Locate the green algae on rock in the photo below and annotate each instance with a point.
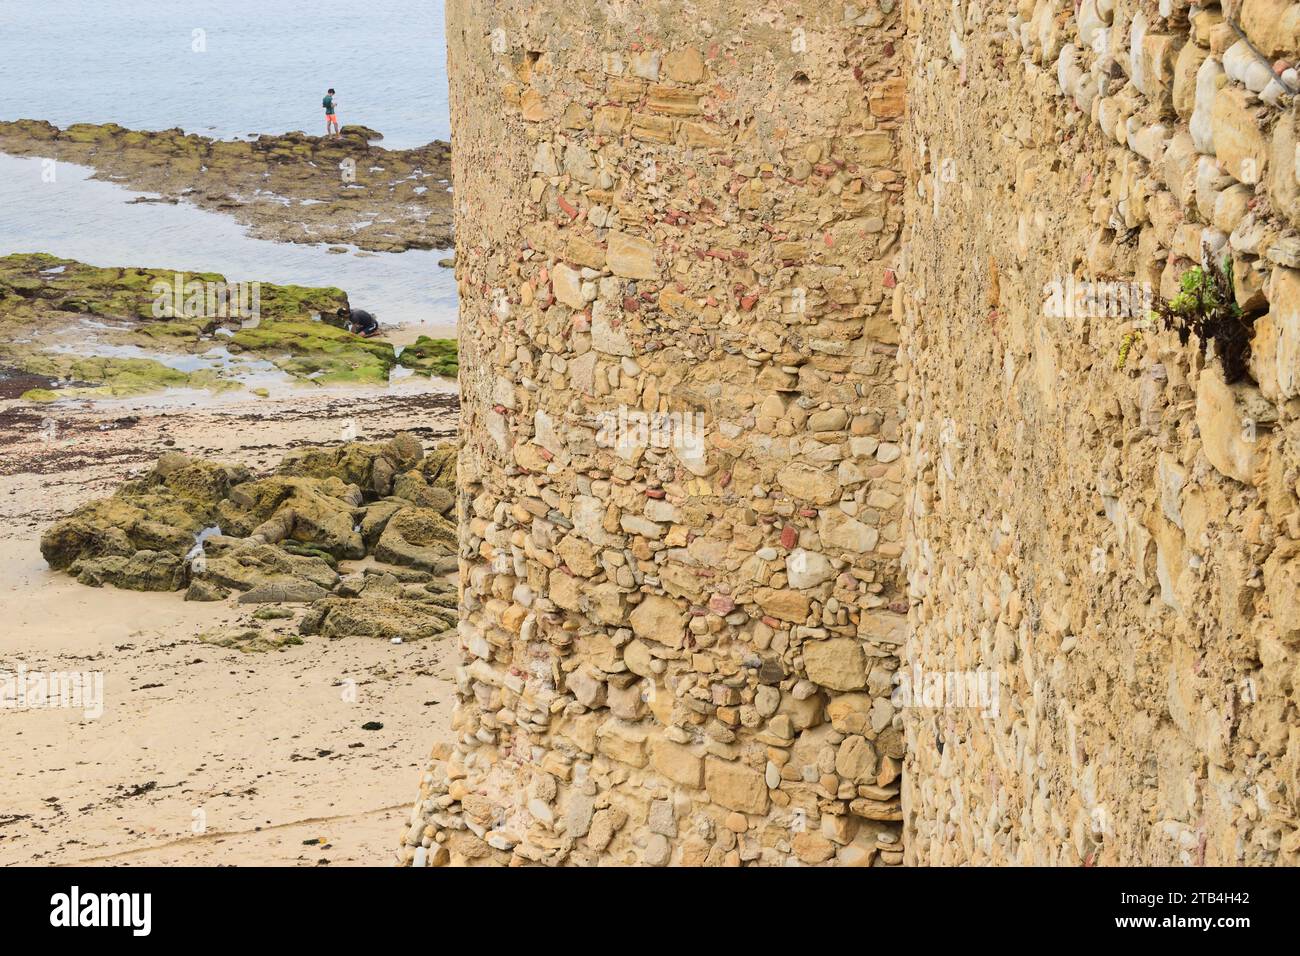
(432, 357)
(70, 286)
(319, 352)
(163, 301)
(290, 187)
(163, 313)
(117, 377)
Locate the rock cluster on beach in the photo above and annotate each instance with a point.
(679, 651)
(218, 531)
(290, 187)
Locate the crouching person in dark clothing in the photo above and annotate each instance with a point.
(359, 321)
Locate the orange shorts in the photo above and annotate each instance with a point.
(331, 118)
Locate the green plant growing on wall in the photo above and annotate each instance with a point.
(1206, 306)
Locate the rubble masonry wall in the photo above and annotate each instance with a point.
(941, 449)
(679, 633)
(1097, 516)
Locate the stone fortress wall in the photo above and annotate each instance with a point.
(776, 445)
(1096, 515)
(682, 475)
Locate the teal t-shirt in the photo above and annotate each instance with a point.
(328, 103)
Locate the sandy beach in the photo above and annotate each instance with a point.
(203, 754)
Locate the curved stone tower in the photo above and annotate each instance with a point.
(681, 475)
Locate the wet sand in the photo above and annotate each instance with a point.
(203, 755)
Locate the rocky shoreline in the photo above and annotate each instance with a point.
(79, 331)
(136, 424)
(289, 187)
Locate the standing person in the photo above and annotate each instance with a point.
(331, 114)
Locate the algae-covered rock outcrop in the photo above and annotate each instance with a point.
(163, 302)
(290, 187)
(319, 352)
(284, 538)
(115, 332)
(432, 357)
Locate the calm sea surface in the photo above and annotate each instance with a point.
(263, 67)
